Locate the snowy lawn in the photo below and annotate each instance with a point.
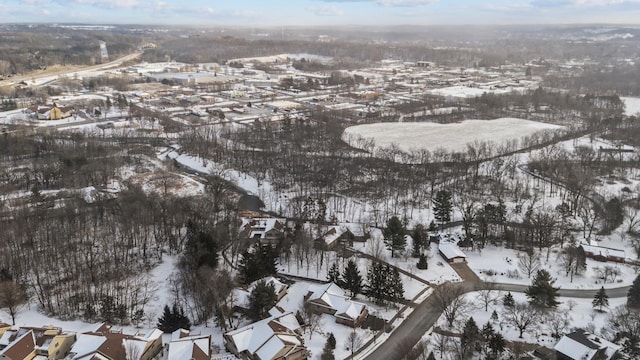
(495, 264)
(450, 137)
(580, 314)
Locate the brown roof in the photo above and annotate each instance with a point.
(21, 348)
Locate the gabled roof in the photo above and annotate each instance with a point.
(332, 296)
(254, 337)
(581, 345)
(450, 251)
(21, 347)
(190, 347)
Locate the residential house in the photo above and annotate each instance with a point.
(331, 299)
(103, 343)
(22, 348)
(600, 253)
(451, 253)
(186, 346)
(52, 112)
(274, 338)
(581, 345)
(50, 342)
(264, 230)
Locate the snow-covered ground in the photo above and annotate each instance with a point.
(632, 105)
(580, 314)
(450, 137)
(497, 264)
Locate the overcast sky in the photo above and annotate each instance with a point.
(321, 12)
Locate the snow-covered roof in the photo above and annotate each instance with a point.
(450, 251)
(581, 345)
(86, 344)
(183, 348)
(334, 297)
(252, 337)
(603, 251)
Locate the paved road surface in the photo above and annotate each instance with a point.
(426, 314)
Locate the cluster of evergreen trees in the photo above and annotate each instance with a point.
(383, 282)
(487, 341)
(258, 262)
(173, 319)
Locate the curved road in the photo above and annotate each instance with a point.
(425, 315)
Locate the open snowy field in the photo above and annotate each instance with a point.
(449, 137)
(632, 105)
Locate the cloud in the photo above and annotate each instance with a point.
(405, 3)
(109, 4)
(582, 3)
(329, 10)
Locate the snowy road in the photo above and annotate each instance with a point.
(425, 315)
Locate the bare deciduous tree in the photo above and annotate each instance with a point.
(448, 299)
(529, 262)
(522, 316)
(12, 298)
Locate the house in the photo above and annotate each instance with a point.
(274, 338)
(330, 299)
(451, 253)
(334, 236)
(264, 230)
(603, 253)
(50, 342)
(52, 112)
(581, 345)
(103, 343)
(22, 348)
(185, 346)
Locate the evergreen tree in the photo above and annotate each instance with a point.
(394, 285)
(423, 263)
(633, 296)
(262, 298)
(351, 278)
(419, 235)
(497, 344)
(258, 262)
(333, 275)
(201, 249)
(329, 346)
(394, 235)
(442, 206)
(508, 300)
(601, 299)
(173, 319)
(470, 339)
(376, 282)
(542, 292)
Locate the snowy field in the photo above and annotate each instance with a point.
(495, 264)
(449, 137)
(632, 105)
(580, 312)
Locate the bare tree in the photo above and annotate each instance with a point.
(522, 316)
(448, 299)
(311, 318)
(353, 342)
(12, 298)
(557, 323)
(376, 248)
(487, 294)
(529, 262)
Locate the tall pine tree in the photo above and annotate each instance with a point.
(542, 292)
(351, 278)
(601, 299)
(633, 296)
(394, 235)
(261, 300)
(442, 206)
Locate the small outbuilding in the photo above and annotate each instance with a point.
(451, 253)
